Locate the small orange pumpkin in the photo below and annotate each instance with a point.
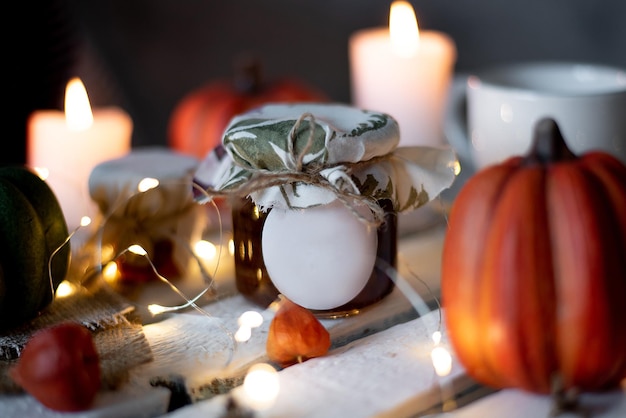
(198, 121)
(534, 270)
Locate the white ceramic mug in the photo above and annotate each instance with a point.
(492, 115)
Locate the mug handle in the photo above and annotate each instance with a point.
(455, 118)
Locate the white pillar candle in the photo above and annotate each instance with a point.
(65, 146)
(406, 76)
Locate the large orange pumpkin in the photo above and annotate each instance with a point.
(534, 270)
(198, 121)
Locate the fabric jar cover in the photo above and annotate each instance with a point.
(166, 212)
(307, 154)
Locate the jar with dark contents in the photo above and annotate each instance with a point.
(315, 189)
(255, 284)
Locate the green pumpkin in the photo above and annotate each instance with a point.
(32, 228)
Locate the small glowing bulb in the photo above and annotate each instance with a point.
(205, 249)
(261, 386)
(85, 220)
(78, 115)
(243, 334)
(247, 321)
(109, 272)
(442, 361)
(155, 309)
(231, 247)
(137, 249)
(147, 184)
(436, 337)
(65, 289)
(250, 319)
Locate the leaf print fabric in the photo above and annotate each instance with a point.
(306, 154)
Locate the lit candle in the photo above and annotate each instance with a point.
(405, 73)
(65, 146)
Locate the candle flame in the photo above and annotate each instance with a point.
(78, 115)
(403, 29)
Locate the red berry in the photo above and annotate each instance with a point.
(60, 367)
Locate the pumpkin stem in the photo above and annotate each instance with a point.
(247, 75)
(548, 144)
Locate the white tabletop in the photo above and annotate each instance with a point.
(380, 364)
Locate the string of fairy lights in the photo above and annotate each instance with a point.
(260, 387)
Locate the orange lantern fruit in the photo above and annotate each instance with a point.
(295, 335)
(60, 367)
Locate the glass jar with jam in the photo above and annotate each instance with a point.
(254, 282)
(315, 189)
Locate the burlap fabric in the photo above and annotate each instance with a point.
(118, 335)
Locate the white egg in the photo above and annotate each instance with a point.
(319, 257)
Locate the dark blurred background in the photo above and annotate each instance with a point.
(145, 55)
